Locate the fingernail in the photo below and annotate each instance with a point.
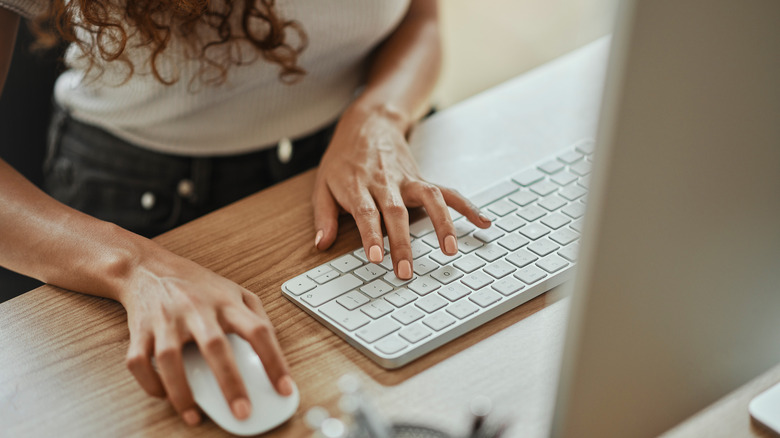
(191, 417)
(375, 254)
(450, 245)
(404, 269)
(483, 218)
(285, 385)
(317, 238)
(241, 408)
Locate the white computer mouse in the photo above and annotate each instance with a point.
(269, 409)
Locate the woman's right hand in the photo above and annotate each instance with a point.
(171, 301)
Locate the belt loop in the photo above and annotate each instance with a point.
(57, 124)
(201, 179)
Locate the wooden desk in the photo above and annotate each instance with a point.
(62, 354)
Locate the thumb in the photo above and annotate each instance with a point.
(326, 217)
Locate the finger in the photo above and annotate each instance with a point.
(261, 335)
(396, 218)
(326, 217)
(431, 198)
(465, 207)
(362, 207)
(167, 352)
(140, 364)
(216, 350)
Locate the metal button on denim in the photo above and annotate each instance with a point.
(186, 188)
(148, 200)
(284, 150)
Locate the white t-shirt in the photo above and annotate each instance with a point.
(253, 109)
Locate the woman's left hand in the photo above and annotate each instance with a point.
(369, 172)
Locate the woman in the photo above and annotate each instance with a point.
(170, 109)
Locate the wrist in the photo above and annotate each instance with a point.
(366, 107)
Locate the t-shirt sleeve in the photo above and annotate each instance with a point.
(25, 8)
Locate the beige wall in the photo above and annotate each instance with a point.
(489, 41)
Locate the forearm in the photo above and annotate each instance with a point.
(406, 67)
(47, 240)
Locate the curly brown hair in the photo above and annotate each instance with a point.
(104, 30)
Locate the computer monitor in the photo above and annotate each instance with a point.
(676, 300)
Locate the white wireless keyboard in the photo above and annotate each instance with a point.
(530, 248)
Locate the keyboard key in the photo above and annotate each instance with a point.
(376, 288)
(391, 344)
(493, 194)
(349, 319)
(431, 240)
(454, 291)
(401, 297)
(326, 277)
(552, 202)
(552, 166)
(552, 263)
(530, 274)
(319, 270)
(386, 242)
(543, 246)
(377, 308)
(462, 309)
(534, 231)
(352, 300)
(369, 272)
(570, 157)
(564, 236)
(575, 210)
(555, 220)
(421, 227)
(331, 290)
(572, 192)
(467, 244)
(300, 285)
(477, 279)
(424, 265)
(447, 274)
(431, 303)
(523, 198)
(424, 285)
(469, 263)
(491, 252)
(485, 297)
(441, 258)
(510, 223)
(420, 248)
(407, 315)
(581, 168)
(377, 330)
(387, 263)
(513, 241)
(584, 181)
(463, 227)
(577, 225)
(360, 254)
(346, 263)
(502, 207)
(531, 213)
(499, 269)
(391, 278)
(415, 333)
(570, 252)
(507, 286)
(521, 258)
(564, 178)
(439, 321)
(585, 147)
(528, 177)
(489, 234)
(544, 188)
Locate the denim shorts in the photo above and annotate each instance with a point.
(148, 192)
